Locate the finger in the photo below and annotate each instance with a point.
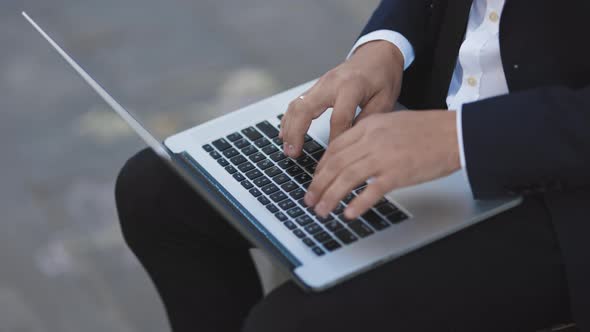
(343, 142)
(343, 184)
(286, 115)
(301, 113)
(367, 199)
(347, 100)
(334, 165)
(376, 105)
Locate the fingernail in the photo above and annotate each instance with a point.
(291, 149)
(310, 198)
(350, 213)
(321, 209)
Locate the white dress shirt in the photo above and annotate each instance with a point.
(479, 73)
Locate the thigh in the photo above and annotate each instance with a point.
(154, 203)
(504, 274)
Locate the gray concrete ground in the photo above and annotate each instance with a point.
(176, 63)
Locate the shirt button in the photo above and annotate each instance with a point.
(494, 17)
(472, 81)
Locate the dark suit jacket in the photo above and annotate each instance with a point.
(536, 139)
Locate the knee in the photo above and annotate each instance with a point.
(136, 191)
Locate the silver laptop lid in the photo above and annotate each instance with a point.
(127, 117)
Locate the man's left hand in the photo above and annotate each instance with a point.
(393, 150)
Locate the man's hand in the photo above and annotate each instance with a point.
(394, 150)
(371, 79)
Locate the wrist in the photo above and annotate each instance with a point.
(383, 51)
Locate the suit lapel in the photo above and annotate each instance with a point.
(446, 51)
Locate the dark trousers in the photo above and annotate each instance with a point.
(504, 274)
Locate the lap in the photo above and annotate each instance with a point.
(503, 274)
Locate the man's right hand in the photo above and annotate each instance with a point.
(371, 78)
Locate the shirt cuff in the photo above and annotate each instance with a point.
(393, 37)
(459, 116)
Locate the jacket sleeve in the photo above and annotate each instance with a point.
(528, 142)
(407, 17)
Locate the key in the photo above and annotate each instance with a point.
(253, 174)
(280, 116)
(374, 220)
(222, 162)
(307, 138)
(295, 212)
(272, 208)
(286, 163)
(238, 160)
(221, 144)
(304, 220)
(339, 209)
(271, 188)
(269, 149)
(263, 200)
(344, 219)
(246, 184)
(230, 153)
(331, 245)
(286, 204)
(234, 137)
(249, 150)
(305, 161)
(302, 203)
(299, 233)
(322, 237)
(397, 217)
(294, 170)
(251, 133)
(360, 228)
(302, 178)
(245, 167)
(267, 129)
(348, 198)
(239, 177)
(257, 157)
(326, 219)
(278, 141)
(306, 185)
(215, 155)
(290, 225)
(230, 169)
(318, 155)
(264, 164)
(309, 242)
(242, 144)
(386, 209)
(261, 181)
(207, 148)
(281, 216)
(345, 236)
(333, 226)
(313, 228)
(273, 171)
(311, 147)
(280, 179)
(289, 186)
(311, 168)
(261, 142)
(297, 193)
(255, 192)
(277, 156)
(278, 196)
(318, 251)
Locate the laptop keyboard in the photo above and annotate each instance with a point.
(255, 159)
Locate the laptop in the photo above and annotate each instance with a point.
(235, 162)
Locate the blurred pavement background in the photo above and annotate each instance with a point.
(64, 266)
